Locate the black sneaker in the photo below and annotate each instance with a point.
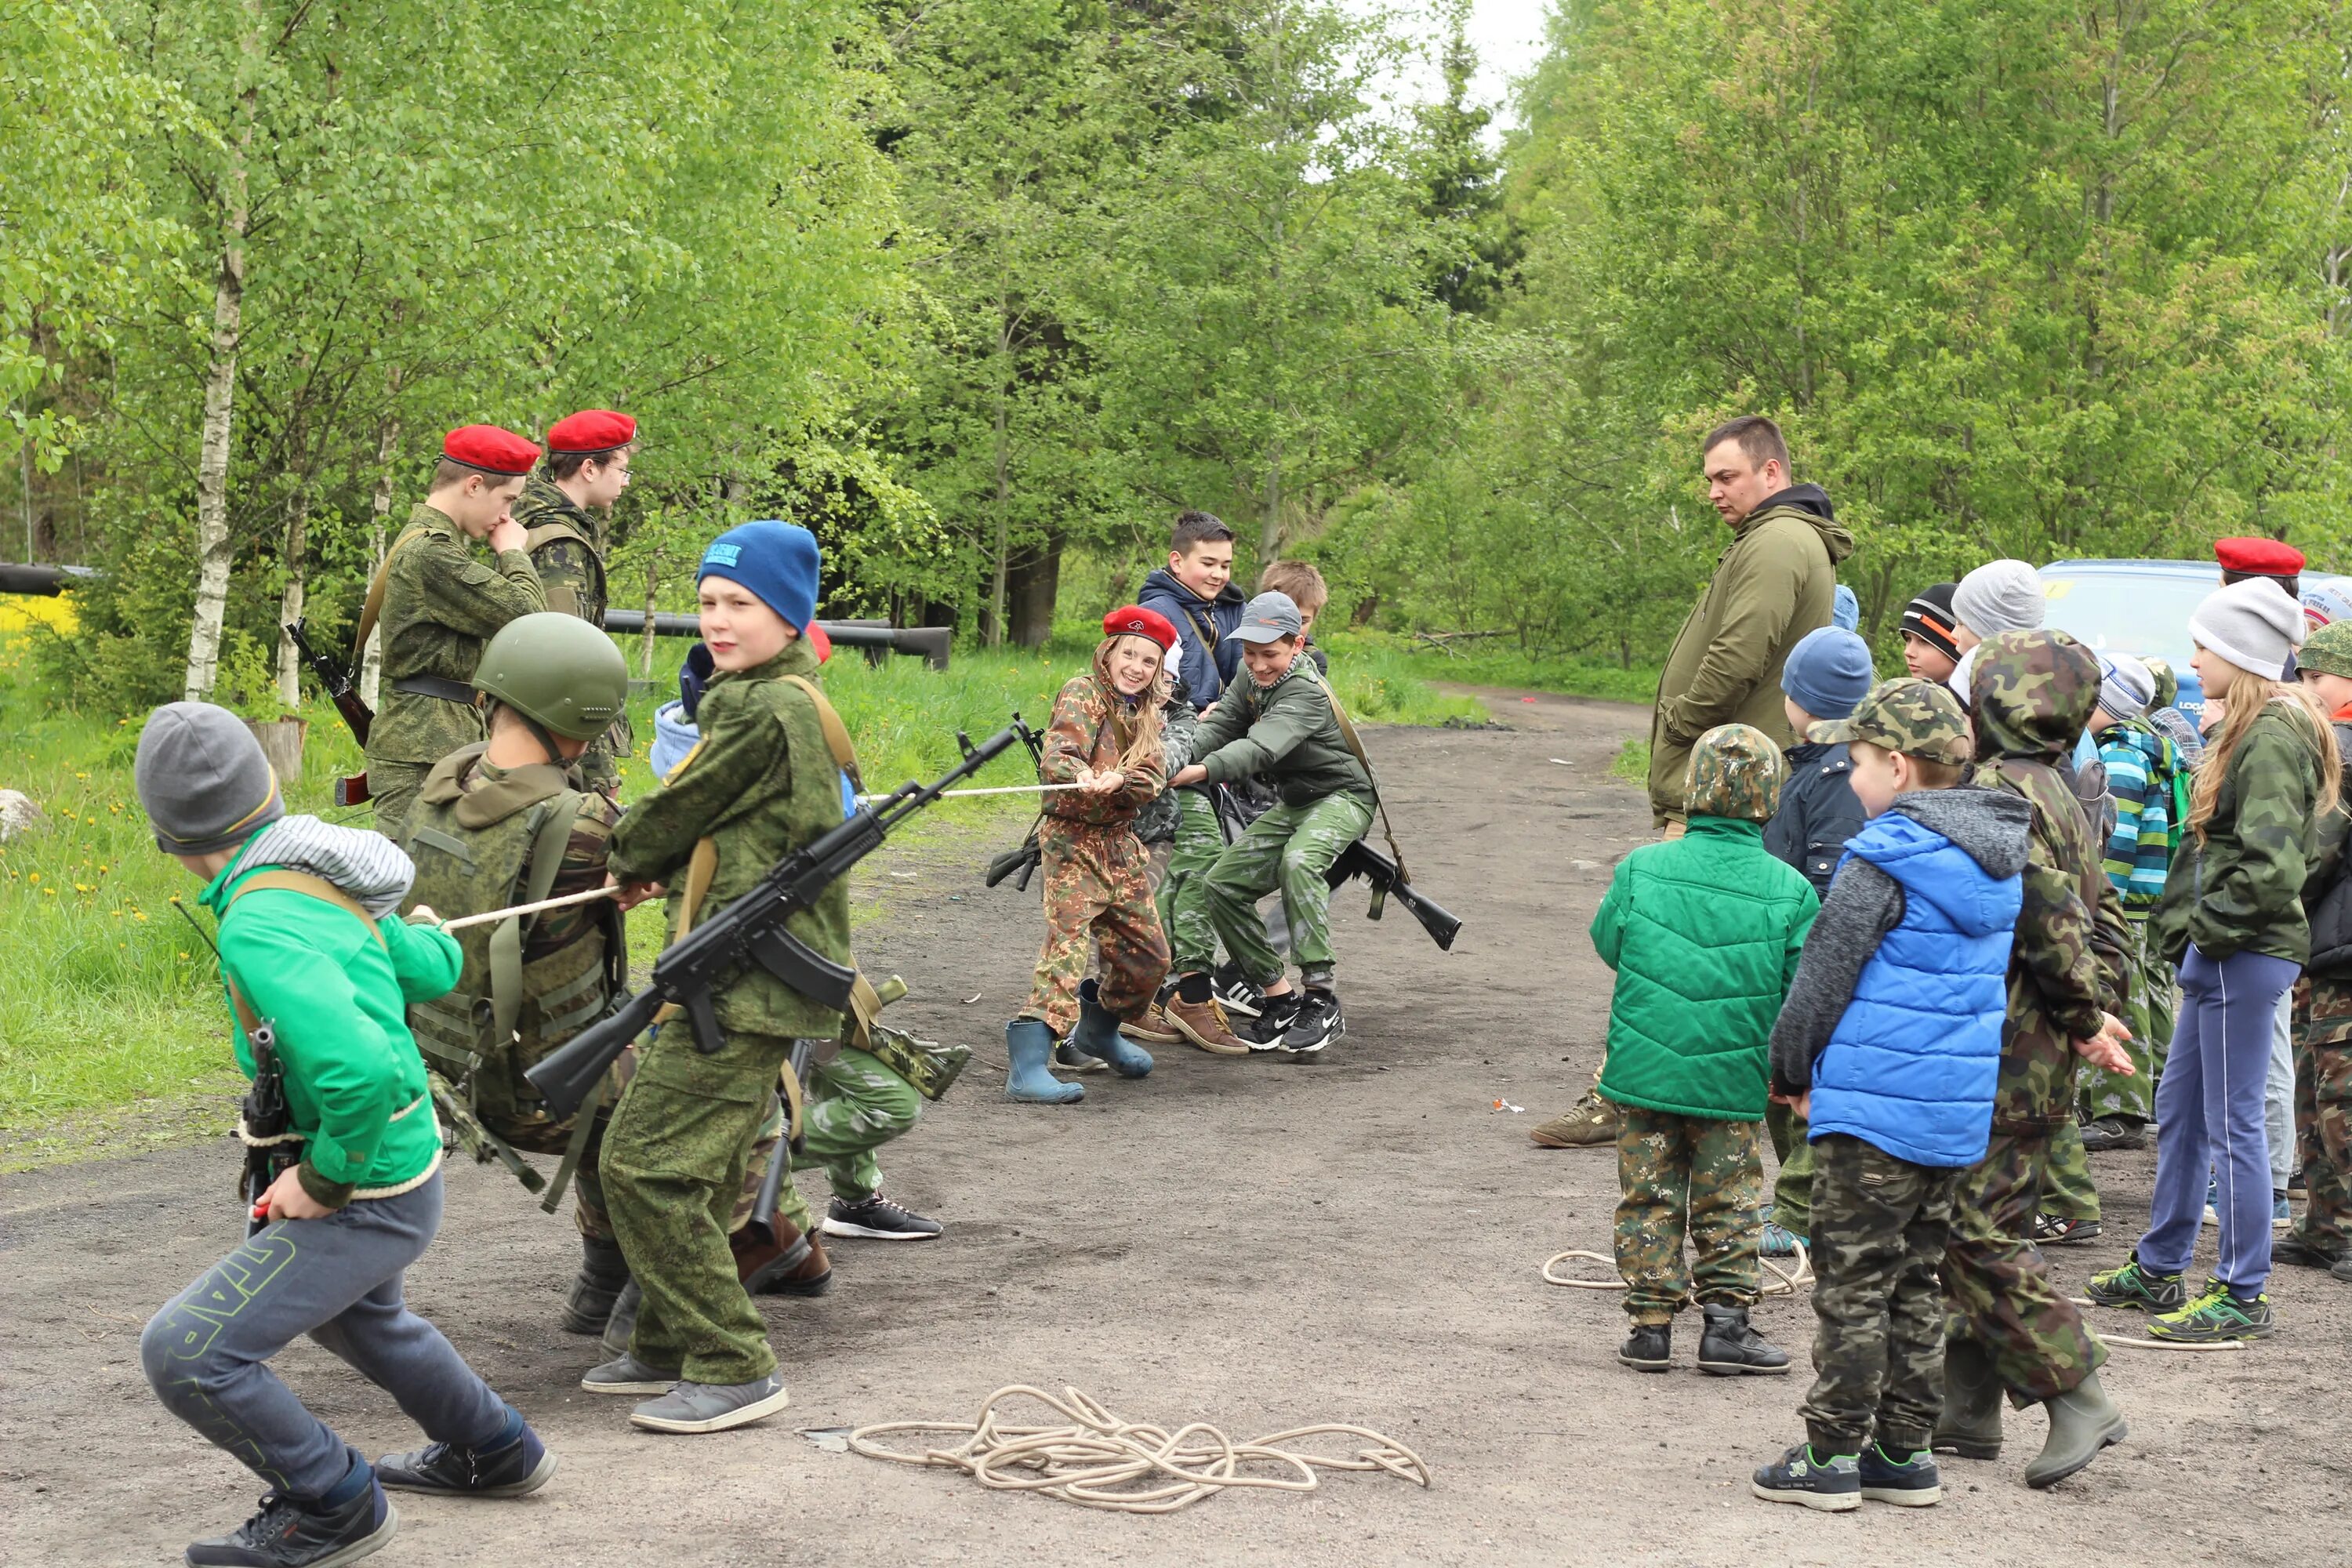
(2108, 1134)
(2133, 1286)
(290, 1533)
(2061, 1230)
(1319, 1023)
(1649, 1348)
(878, 1219)
(1830, 1482)
(522, 1466)
(1275, 1017)
(1910, 1481)
(1237, 991)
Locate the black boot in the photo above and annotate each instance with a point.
(623, 1323)
(1649, 1348)
(1730, 1346)
(603, 1273)
(290, 1533)
(1970, 1425)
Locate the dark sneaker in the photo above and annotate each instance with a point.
(2061, 1230)
(1908, 1482)
(1649, 1348)
(624, 1373)
(2215, 1316)
(621, 1326)
(878, 1219)
(1237, 992)
(1069, 1059)
(289, 1534)
(2109, 1134)
(1317, 1024)
(712, 1406)
(522, 1466)
(1589, 1120)
(2343, 1270)
(1830, 1482)
(1275, 1017)
(1205, 1024)
(2132, 1286)
(2295, 1248)
(1731, 1346)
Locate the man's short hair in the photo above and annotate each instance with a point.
(446, 473)
(1197, 528)
(564, 465)
(1301, 581)
(1758, 438)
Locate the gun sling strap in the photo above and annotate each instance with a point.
(372, 610)
(1355, 745)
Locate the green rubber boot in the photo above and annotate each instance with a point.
(2082, 1420)
(1970, 1425)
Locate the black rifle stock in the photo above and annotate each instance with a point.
(751, 931)
(1020, 864)
(337, 681)
(1360, 859)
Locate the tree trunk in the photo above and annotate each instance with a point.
(213, 551)
(996, 588)
(290, 599)
(1034, 582)
(387, 442)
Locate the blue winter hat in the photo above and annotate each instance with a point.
(1828, 672)
(1845, 610)
(777, 560)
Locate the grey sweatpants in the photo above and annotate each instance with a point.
(339, 1280)
(2278, 1094)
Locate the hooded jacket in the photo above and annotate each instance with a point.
(1894, 1021)
(1210, 662)
(1775, 582)
(2033, 694)
(1091, 728)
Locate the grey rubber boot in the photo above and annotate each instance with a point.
(711, 1407)
(1970, 1425)
(1097, 1034)
(2082, 1420)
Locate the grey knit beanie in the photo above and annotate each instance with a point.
(204, 780)
(2125, 688)
(2252, 624)
(2000, 596)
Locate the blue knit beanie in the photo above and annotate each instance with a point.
(1828, 672)
(777, 560)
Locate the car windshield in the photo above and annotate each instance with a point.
(2129, 613)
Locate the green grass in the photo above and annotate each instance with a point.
(1496, 662)
(1632, 763)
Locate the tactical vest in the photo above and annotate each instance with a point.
(486, 848)
(587, 603)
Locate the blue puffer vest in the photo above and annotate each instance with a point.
(1912, 1064)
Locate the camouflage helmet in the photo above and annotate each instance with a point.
(558, 671)
(1918, 718)
(2328, 650)
(1734, 771)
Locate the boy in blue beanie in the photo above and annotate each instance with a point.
(1890, 1046)
(1827, 673)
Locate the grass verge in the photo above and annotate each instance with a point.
(1492, 663)
(1632, 763)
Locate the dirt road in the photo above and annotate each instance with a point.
(1251, 1243)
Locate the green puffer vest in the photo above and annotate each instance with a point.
(484, 849)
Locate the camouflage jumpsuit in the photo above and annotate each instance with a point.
(566, 545)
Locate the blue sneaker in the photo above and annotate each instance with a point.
(1779, 1241)
(1909, 1481)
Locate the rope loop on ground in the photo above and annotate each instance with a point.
(2139, 1344)
(1783, 1281)
(1099, 1460)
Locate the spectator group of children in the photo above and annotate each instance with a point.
(1896, 943)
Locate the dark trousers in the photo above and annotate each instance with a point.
(1997, 1285)
(1880, 1224)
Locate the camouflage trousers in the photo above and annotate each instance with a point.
(1694, 1175)
(1098, 902)
(2149, 1007)
(2322, 1112)
(392, 788)
(1880, 1224)
(1997, 1287)
(1289, 849)
(1191, 939)
(1792, 1189)
(853, 1105)
(2067, 1189)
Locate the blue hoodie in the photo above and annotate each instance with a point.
(1208, 663)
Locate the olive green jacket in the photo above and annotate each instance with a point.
(1287, 733)
(442, 604)
(2239, 888)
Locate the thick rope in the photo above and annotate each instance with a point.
(1784, 1281)
(2138, 1344)
(1101, 1461)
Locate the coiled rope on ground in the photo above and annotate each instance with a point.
(1784, 1281)
(1099, 1460)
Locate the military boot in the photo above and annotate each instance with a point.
(602, 1273)
(1029, 1042)
(1970, 1425)
(1589, 1120)
(2082, 1420)
(623, 1324)
(1097, 1034)
(776, 1259)
(1729, 1345)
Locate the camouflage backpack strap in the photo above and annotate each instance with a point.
(550, 831)
(373, 611)
(1356, 747)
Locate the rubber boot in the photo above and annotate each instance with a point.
(1098, 1034)
(1029, 1042)
(2082, 1420)
(1970, 1425)
(603, 1273)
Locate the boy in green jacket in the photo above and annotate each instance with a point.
(306, 950)
(1282, 725)
(1704, 932)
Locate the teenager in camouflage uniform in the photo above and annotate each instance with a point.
(1105, 740)
(1160, 826)
(1702, 932)
(565, 513)
(438, 604)
(2010, 1328)
(2322, 1239)
(1901, 990)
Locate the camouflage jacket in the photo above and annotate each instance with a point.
(1091, 726)
(761, 784)
(566, 543)
(2033, 693)
(2238, 886)
(441, 604)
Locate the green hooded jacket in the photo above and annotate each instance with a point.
(1775, 582)
(1288, 733)
(2238, 887)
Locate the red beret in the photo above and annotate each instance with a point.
(490, 448)
(2261, 557)
(1135, 621)
(591, 430)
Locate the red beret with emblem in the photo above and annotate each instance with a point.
(490, 449)
(2258, 557)
(1135, 621)
(591, 430)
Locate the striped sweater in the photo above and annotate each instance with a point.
(2141, 766)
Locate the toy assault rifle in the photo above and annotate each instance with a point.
(751, 931)
(337, 680)
(1360, 859)
(1022, 862)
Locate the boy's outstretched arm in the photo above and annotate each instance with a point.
(1863, 905)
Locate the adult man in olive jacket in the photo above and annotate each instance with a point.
(1776, 581)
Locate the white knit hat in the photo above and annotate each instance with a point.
(2253, 624)
(2001, 596)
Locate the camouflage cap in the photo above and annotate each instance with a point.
(1918, 718)
(2167, 685)
(2327, 650)
(1734, 771)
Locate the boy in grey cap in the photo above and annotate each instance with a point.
(1282, 725)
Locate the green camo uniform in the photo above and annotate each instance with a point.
(1880, 1228)
(442, 602)
(1288, 734)
(565, 542)
(1704, 932)
(761, 783)
(2033, 694)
